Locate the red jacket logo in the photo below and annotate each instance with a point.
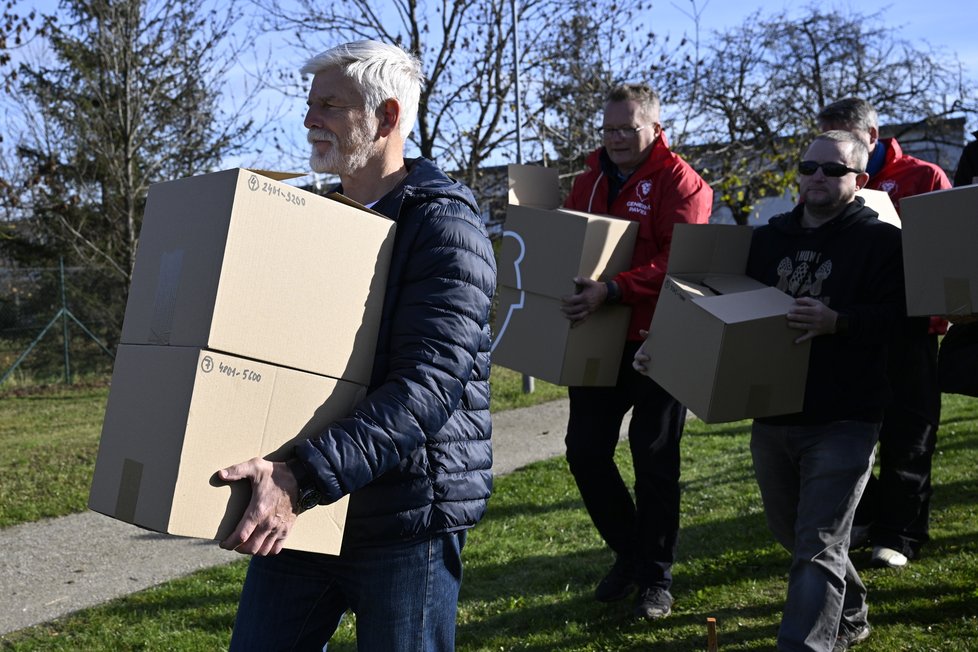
(643, 190)
(889, 186)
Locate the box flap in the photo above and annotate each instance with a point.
(278, 176)
(709, 249)
(534, 186)
(686, 288)
(880, 202)
(343, 199)
(731, 283)
(747, 306)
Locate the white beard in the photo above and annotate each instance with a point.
(343, 158)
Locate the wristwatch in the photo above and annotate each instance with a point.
(309, 495)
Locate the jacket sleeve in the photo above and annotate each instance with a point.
(446, 286)
(683, 196)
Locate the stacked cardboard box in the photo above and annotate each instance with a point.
(880, 202)
(719, 341)
(543, 249)
(251, 321)
(940, 230)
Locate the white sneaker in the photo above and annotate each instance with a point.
(889, 558)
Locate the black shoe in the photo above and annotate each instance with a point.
(849, 637)
(653, 603)
(618, 584)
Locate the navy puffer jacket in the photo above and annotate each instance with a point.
(416, 453)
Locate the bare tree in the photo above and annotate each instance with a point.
(466, 112)
(584, 54)
(763, 82)
(14, 27)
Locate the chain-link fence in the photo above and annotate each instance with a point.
(53, 325)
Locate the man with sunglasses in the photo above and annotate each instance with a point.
(633, 176)
(844, 268)
(894, 514)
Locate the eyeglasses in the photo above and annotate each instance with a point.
(624, 132)
(808, 168)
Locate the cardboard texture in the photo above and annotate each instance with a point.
(176, 415)
(719, 341)
(543, 249)
(880, 202)
(545, 347)
(239, 262)
(940, 230)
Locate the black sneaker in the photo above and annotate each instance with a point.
(618, 584)
(849, 637)
(653, 603)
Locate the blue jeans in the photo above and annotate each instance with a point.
(811, 479)
(404, 595)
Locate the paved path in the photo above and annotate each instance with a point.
(51, 568)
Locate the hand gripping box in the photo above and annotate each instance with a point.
(176, 415)
(940, 230)
(543, 249)
(719, 341)
(239, 262)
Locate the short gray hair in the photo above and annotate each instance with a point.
(851, 113)
(381, 71)
(858, 152)
(647, 99)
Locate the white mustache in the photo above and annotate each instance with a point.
(322, 135)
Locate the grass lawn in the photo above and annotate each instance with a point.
(531, 566)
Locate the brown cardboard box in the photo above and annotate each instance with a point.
(940, 230)
(540, 342)
(719, 341)
(177, 414)
(880, 202)
(239, 262)
(543, 249)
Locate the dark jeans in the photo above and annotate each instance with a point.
(811, 478)
(895, 509)
(405, 597)
(645, 530)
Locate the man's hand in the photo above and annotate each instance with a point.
(812, 316)
(270, 515)
(590, 296)
(640, 362)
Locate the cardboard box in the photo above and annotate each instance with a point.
(940, 230)
(239, 262)
(880, 202)
(543, 249)
(540, 342)
(176, 415)
(719, 341)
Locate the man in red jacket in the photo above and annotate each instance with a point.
(894, 514)
(634, 176)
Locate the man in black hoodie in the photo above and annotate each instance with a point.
(844, 267)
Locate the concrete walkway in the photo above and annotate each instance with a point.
(54, 567)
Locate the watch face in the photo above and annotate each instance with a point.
(309, 499)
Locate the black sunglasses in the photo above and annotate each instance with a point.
(808, 168)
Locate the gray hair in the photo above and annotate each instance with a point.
(858, 152)
(381, 71)
(851, 113)
(643, 94)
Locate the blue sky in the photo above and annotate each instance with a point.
(950, 24)
(944, 24)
